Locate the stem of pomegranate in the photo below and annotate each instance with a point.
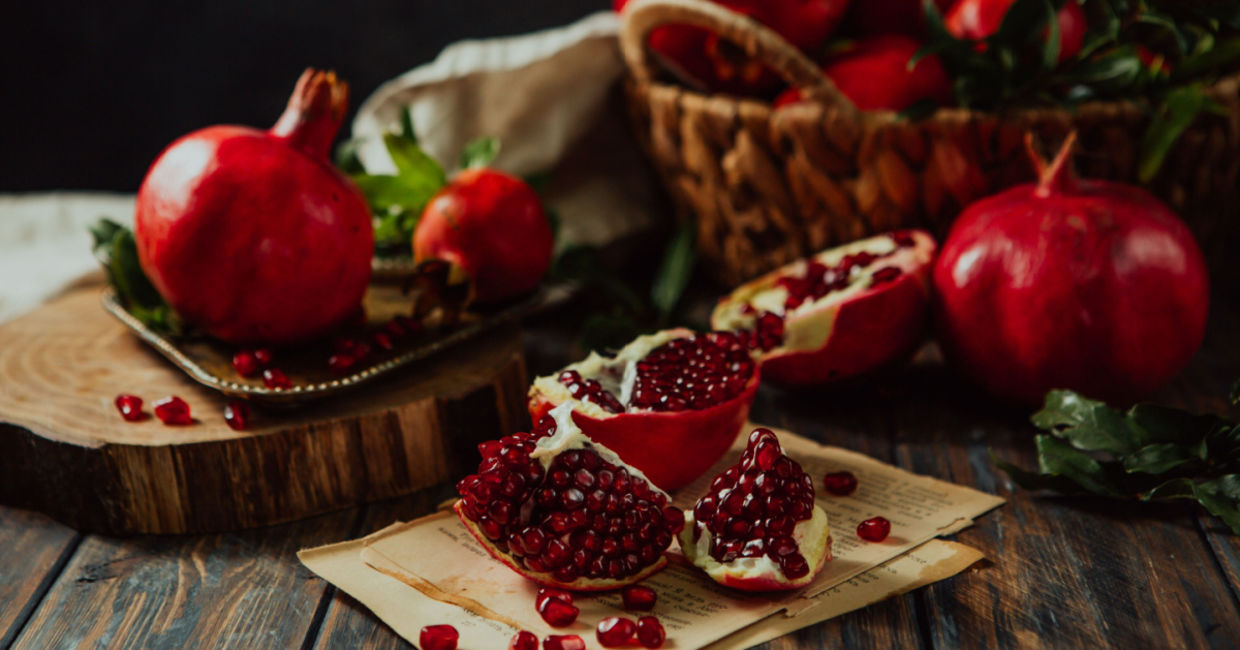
(314, 113)
(1057, 177)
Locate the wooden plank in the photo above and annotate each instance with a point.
(36, 550)
(229, 590)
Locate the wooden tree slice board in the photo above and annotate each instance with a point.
(65, 450)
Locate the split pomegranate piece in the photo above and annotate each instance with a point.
(237, 414)
(438, 637)
(844, 312)
(639, 598)
(523, 640)
(245, 363)
(565, 511)
(669, 403)
(173, 411)
(615, 631)
(841, 484)
(130, 407)
(874, 529)
(650, 632)
(564, 642)
(757, 528)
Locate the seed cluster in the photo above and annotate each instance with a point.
(589, 390)
(752, 508)
(581, 518)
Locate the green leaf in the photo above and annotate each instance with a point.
(676, 269)
(347, 159)
(406, 125)
(1058, 458)
(1034, 481)
(1159, 458)
(412, 163)
(115, 248)
(1178, 112)
(1051, 47)
(1221, 497)
(480, 152)
(1089, 425)
(387, 192)
(1235, 393)
(1180, 488)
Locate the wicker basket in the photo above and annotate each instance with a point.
(768, 187)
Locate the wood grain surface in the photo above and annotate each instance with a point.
(65, 450)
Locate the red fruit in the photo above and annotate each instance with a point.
(237, 414)
(844, 312)
(492, 229)
(566, 512)
(438, 637)
(254, 235)
(650, 632)
(264, 356)
(639, 598)
(757, 528)
(978, 19)
(874, 74)
(615, 631)
(523, 640)
(565, 642)
(841, 484)
(130, 407)
(275, 378)
(556, 612)
(869, 17)
(874, 529)
(720, 66)
(1088, 285)
(173, 411)
(670, 403)
(245, 363)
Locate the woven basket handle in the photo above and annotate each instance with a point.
(757, 40)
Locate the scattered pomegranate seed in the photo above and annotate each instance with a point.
(344, 346)
(556, 612)
(130, 407)
(360, 351)
(394, 329)
(841, 484)
(264, 356)
(340, 362)
(523, 640)
(551, 592)
(615, 631)
(650, 632)
(173, 411)
(237, 414)
(565, 642)
(639, 598)
(275, 378)
(382, 341)
(874, 529)
(438, 637)
(245, 363)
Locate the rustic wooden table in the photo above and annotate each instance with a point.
(1061, 572)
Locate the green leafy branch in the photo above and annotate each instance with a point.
(114, 247)
(1149, 452)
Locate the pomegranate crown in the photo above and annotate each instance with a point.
(314, 113)
(1057, 176)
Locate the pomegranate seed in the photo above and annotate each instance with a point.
(276, 379)
(360, 351)
(874, 529)
(340, 362)
(841, 484)
(237, 414)
(382, 341)
(650, 632)
(565, 642)
(264, 356)
(173, 411)
(438, 637)
(546, 593)
(557, 613)
(130, 407)
(344, 346)
(885, 274)
(615, 631)
(903, 239)
(523, 640)
(640, 597)
(245, 363)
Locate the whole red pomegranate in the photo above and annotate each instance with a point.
(253, 235)
(874, 74)
(492, 229)
(978, 19)
(1092, 286)
(720, 66)
(869, 17)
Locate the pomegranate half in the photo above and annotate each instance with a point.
(758, 528)
(565, 511)
(669, 403)
(253, 235)
(844, 312)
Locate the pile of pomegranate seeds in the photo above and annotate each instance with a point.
(752, 508)
(565, 642)
(237, 414)
(650, 632)
(589, 518)
(438, 637)
(276, 379)
(638, 598)
(874, 529)
(696, 372)
(523, 640)
(589, 390)
(841, 484)
(819, 279)
(615, 631)
(556, 607)
(174, 411)
(130, 407)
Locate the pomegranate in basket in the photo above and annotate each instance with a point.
(875, 75)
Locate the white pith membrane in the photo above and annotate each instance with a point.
(569, 436)
(813, 318)
(813, 538)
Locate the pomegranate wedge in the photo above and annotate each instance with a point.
(669, 403)
(565, 511)
(844, 312)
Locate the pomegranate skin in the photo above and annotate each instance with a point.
(874, 74)
(252, 235)
(1091, 286)
(978, 19)
(491, 227)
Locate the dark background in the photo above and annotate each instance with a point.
(93, 90)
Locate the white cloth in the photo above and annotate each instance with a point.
(549, 96)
